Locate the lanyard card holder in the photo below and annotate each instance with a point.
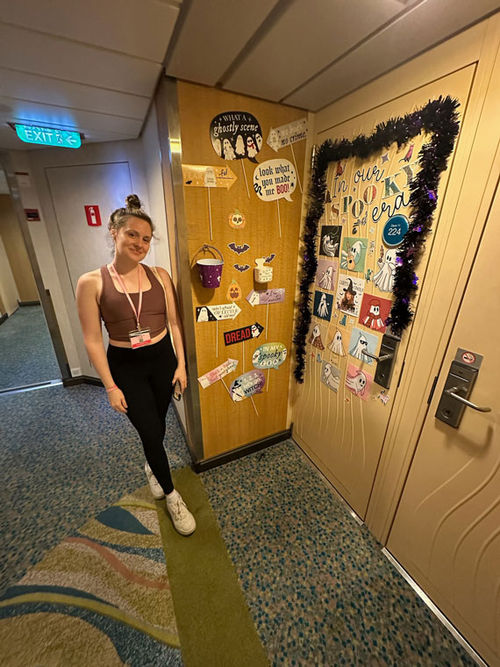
(139, 337)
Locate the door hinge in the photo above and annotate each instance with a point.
(434, 382)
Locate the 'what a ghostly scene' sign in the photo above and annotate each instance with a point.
(236, 135)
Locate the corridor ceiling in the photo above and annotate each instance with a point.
(93, 65)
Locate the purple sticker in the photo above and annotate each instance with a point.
(247, 384)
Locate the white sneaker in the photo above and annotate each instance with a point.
(182, 518)
(154, 484)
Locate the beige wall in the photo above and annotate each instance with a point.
(8, 288)
(144, 170)
(16, 251)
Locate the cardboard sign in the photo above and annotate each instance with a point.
(269, 355)
(236, 135)
(242, 334)
(222, 311)
(218, 373)
(274, 179)
(282, 136)
(206, 176)
(247, 384)
(268, 296)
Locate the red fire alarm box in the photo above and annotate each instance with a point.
(93, 215)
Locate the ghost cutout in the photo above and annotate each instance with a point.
(384, 278)
(323, 306)
(258, 139)
(328, 246)
(352, 256)
(372, 318)
(203, 315)
(357, 382)
(328, 377)
(252, 149)
(240, 145)
(327, 279)
(272, 140)
(360, 347)
(217, 147)
(336, 344)
(315, 338)
(228, 150)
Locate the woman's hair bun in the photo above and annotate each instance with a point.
(133, 202)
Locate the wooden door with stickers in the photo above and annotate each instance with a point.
(341, 414)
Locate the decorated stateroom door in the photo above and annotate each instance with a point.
(341, 414)
(447, 528)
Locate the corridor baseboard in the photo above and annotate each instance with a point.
(82, 379)
(244, 450)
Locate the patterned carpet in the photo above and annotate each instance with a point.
(101, 597)
(64, 457)
(319, 590)
(26, 352)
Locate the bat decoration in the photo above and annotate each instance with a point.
(270, 258)
(241, 267)
(238, 249)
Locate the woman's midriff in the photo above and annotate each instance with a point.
(124, 343)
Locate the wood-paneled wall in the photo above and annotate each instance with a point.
(226, 424)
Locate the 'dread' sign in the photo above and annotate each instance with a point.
(242, 334)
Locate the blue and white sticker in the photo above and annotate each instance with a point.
(394, 230)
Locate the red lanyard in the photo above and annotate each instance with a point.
(137, 312)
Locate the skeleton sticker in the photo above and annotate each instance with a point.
(237, 220)
(361, 342)
(374, 312)
(384, 278)
(353, 254)
(358, 382)
(326, 274)
(336, 345)
(323, 305)
(330, 376)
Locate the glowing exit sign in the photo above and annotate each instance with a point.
(48, 136)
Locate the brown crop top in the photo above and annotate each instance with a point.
(117, 313)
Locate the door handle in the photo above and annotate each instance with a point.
(383, 357)
(452, 392)
(458, 388)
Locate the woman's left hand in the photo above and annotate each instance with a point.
(180, 376)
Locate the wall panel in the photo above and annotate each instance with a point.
(228, 424)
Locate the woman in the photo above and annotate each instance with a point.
(140, 368)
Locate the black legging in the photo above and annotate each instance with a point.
(145, 377)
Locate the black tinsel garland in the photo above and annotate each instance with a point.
(439, 118)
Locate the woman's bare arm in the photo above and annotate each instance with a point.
(175, 324)
(88, 312)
